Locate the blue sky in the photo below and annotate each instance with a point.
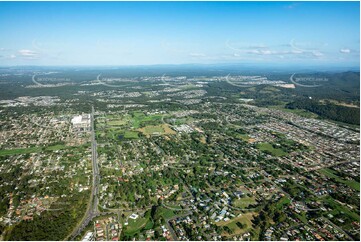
(142, 33)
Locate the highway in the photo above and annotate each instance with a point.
(92, 209)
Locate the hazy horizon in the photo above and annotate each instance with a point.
(178, 33)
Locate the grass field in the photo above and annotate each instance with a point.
(332, 174)
(338, 208)
(131, 135)
(135, 225)
(117, 122)
(283, 201)
(244, 219)
(139, 117)
(56, 147)
(175, 206)
(156, 129)
(203, 140)
(244, 202)
(300, 112)
(269, 89)
(114, 132)
(31, 150)
(166, 213)
(153, 129)
(268, 147)
(179, 121)
(244, 137)
(188, 86)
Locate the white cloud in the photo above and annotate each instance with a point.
(12, 56)
(197, 54)
(345, 50)
(292, 5)
(317, 53)
(4, 49)
(284, 51)
(296, 52)
(261, 52)
(258, 46)
(30, 54)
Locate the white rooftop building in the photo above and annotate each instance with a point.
(81, 122)
(88, 237)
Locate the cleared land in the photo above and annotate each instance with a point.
(244, 219)
(156, 130)
(268, 147)
(31, 150)
(332, 174)
(244, 202)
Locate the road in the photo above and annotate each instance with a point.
(301, 85)
(170, 228)
(92, 209)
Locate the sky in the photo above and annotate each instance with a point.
(148, 33)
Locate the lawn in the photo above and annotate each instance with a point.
(338, 208)
(31, 150)
(20, 151)
(56, 147)
(332, 174)
(244, 137)
(175, 206)
(180, 121)
(139, 118)
(203, 140)
(244, 219)
(166, 213)
(300, 112)
(153, 129)
(167, 129)
(188, 86)
(131, 135)
(112, 133)
(156, 129)
(117, 122)
(283, 201)
(244, 202)
(135, 225)
(268, 147)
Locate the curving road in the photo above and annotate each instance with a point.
(301, 85)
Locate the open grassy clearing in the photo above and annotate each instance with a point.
(203, 140)
(300, 112)
(269, 89)
(188, 86)
(138, 118)
(246, 138)
(135, 225)
(156, 130)
(166, 213)
(339, 208)
(179, 121)
(332, 174)
(336, 102)
(116, 133)
(131, 135)
(244, 202)
(32, 150)
(282, 202)
(117, 122)
(245, 219)
(174, 206)
(268, 147)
